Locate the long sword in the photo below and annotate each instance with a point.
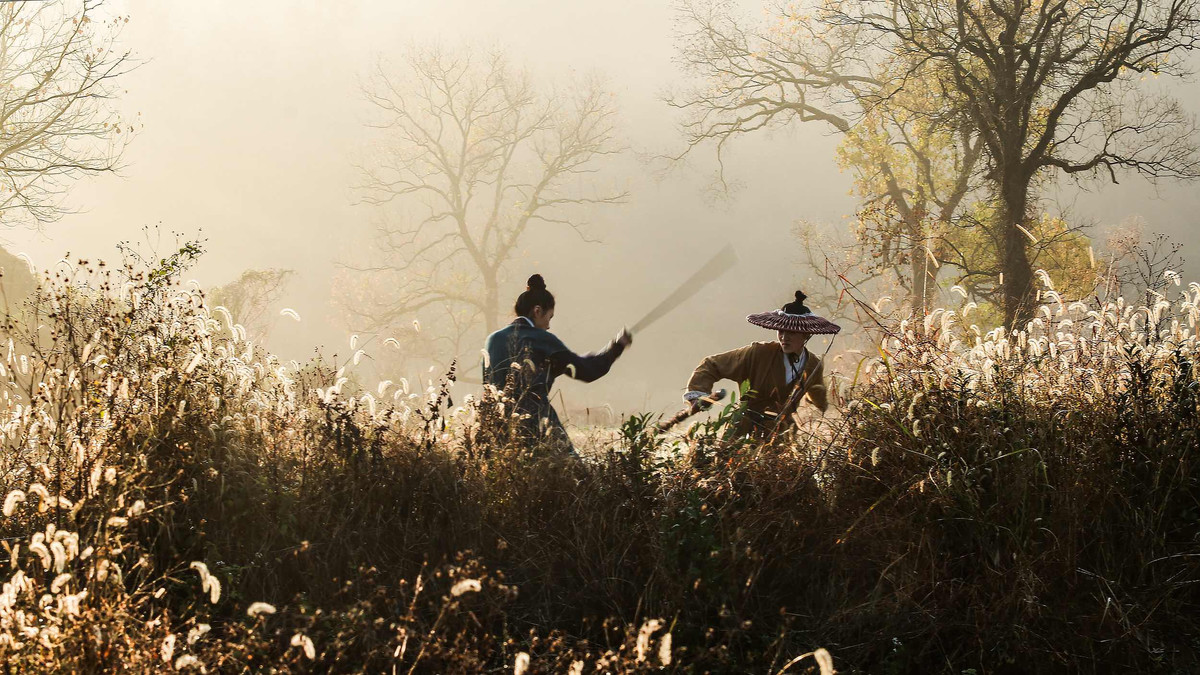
(721, 263)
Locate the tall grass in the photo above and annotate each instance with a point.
(179, 499)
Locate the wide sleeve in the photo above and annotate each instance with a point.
(732, 365)
(584, 367)
(816, 392)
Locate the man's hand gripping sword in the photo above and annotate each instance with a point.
(696, 406)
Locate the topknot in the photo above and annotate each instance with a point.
(535, 295)
(797, 306)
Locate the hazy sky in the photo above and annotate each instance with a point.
(253, 118)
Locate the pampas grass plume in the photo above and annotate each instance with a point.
(42, 552)
(824, 660)
(304, 642)
(10, 502)
(198, 631)
(257, 609)
(643, 638)
(465, 586)
(168, 648)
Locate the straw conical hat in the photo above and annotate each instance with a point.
(795, 317)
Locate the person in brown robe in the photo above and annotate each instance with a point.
(781, 373)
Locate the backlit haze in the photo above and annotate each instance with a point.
(253, 119)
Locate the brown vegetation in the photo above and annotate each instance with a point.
(177, 499)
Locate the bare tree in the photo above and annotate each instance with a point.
(1048, 85)
(913, 160)
(1140, 265)
(474, 155)
(59, 67)
(252, 298)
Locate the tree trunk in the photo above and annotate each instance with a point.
(924, 279)
(922, 268)
(491, 305)
(1014, 257)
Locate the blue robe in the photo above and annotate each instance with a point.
(541, 357)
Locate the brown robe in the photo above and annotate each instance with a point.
(762, 363)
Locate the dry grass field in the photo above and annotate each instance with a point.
(988, 502)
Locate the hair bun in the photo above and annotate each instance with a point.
(797, 306)
(535, 283)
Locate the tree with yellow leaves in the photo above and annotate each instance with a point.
(914, 164)
(992, 97)
(1050, 87)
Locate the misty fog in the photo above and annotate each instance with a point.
(252, 120)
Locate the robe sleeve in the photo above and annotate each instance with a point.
(732, 365)
(586, 367)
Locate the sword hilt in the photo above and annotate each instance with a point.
(699, 405)
(706, 402)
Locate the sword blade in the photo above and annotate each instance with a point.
(721, 263)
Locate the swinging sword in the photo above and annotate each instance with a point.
(720, 263)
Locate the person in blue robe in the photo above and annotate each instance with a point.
(524, 358)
